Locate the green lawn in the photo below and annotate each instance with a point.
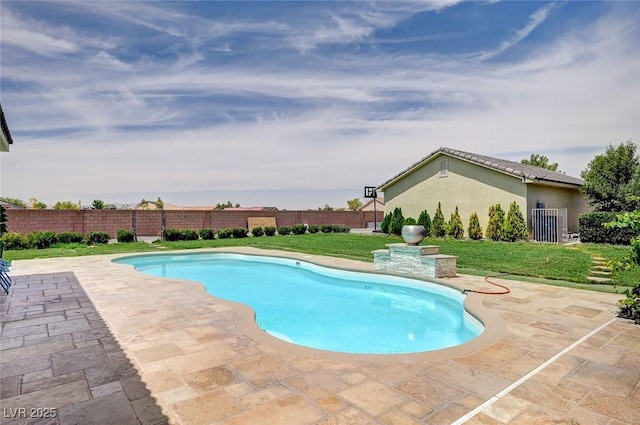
(563, 265)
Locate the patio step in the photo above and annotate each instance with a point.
(596, 279)
(600, 271)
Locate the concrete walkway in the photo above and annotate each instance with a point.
(89, 341)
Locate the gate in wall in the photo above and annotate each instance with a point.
(549, 225)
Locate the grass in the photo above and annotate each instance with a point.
(546, 263)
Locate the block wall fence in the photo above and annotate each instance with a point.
(148, 222)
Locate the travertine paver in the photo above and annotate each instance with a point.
(104, 344)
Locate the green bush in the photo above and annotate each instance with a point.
(172, 235)
(257, 231)
(455, 228)
(438, 224)
(189, 235)
(298, 229)
(409, 221)
(395, 227)
(13, 240)
(42, 239)
(385, 224)
(269, 230)
(239, 232)
(474, 230)
(94, 238)
(343, 228)
(424, 219)
(284, 230)
(592, 229)
(207, 234)
(515, 227)
(496, 222)
(70, 237)
(225, 233)
(313, 228)
(124, 235)
(326, 228)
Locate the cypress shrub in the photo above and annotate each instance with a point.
(424, 219)
(496, 222)
(515, 227)
(385, 224)
(395, 227)
(474, 230)
(438, 224)
(409, 221)
(455, 229)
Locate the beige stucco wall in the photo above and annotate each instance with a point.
(470, 187)
(556, 197)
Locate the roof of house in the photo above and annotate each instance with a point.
(378, 201)
(5, 126)
(512, 168)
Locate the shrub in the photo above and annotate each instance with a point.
(592, 229)
(94, 238)
(395, 227)
(496, 222)
(424, 219)
(13, 240)
(438, 225)
(284, 230)
(340, 228)
(225, 233)
(239, 232)
(515, 227)
(207, 233)
(172, 235)
(71, 237)
(269, 230)
(409, 221)
(42, 239)
(189, 235)
(257, 231)
(326, 228)
(298, 229)
(474, 230)
(313, 228)
(455, 228)
(124, 235)
(385, 224)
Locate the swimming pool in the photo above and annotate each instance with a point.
(325, 308)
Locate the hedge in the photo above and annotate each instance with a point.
(591, 228)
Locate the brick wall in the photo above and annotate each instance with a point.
(148, 222)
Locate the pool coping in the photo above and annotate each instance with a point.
(494, 327)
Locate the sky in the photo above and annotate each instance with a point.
(299, 104)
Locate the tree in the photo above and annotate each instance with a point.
(437, 225)
(66, 205)
(97, 204)
(37, 204)
(540, 161)
(612, 180)
(474, 230)
(455, 229)
(354, 204)
(14, 201)
(496, 222)
(515, 227)
(223, 206)
(326, 207)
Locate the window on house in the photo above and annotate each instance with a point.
(444, 167)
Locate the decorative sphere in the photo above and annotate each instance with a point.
(413, 234)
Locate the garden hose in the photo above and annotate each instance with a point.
(489, 280)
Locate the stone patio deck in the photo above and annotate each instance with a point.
(93, 342)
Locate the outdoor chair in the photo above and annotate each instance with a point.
(5, 279)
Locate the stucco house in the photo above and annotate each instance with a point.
(5, 137)
(474, 182)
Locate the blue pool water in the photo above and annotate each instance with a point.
(326, 308)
